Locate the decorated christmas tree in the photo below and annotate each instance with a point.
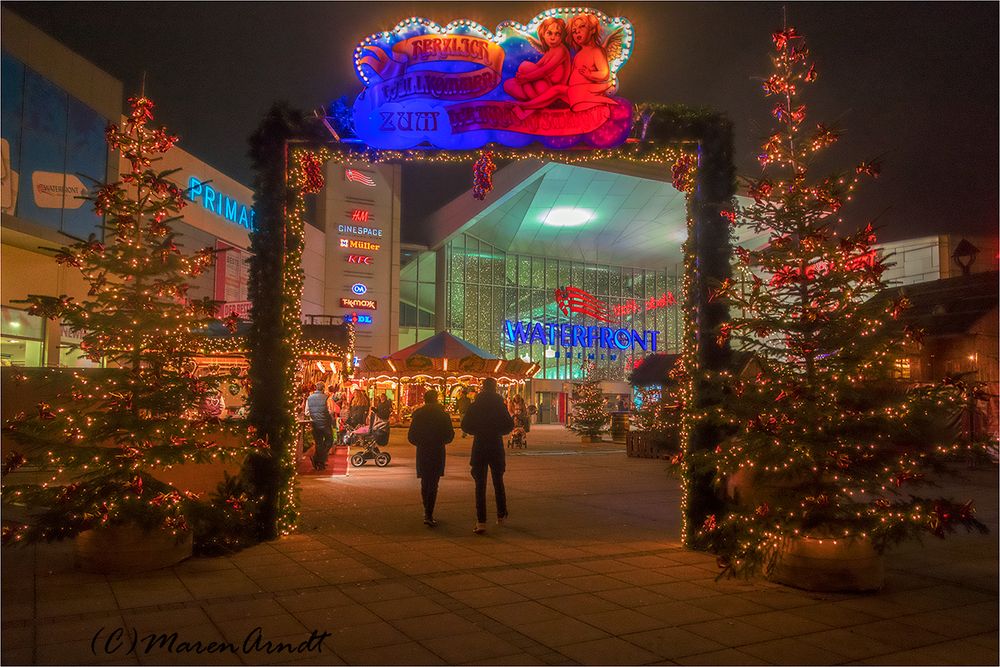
(590, 408)
(824, 443)
(95, 451)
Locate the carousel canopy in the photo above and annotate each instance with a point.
(442, 346)
(445, 357)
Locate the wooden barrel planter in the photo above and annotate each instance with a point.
(128, 549)
(830, 566)
(643, 445)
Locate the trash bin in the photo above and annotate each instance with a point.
(619, 426)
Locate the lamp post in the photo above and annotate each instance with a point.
(964, 255)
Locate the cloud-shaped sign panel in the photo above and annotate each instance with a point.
(461, 86)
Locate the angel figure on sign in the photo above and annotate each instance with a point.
(545, 79)
(590, 81)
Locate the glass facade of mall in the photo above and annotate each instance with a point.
(486, 287)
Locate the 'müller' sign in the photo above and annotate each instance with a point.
(553, 81)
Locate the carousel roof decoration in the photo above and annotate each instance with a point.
(444, 356)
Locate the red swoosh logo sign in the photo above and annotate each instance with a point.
(575, 300)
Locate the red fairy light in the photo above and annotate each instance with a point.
(45, 411)
(312, 168)
(729, 215)
(482, 175)
(811, 74)
(721, 291)
(798, 115)
(782, 38)
(873, 168)
(762, 510)
(761, 191)
(231, 322)
(710, 523)
(682, 173)
(142, 109)
(824, 137)
(775, 85)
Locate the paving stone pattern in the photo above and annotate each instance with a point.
(589, 570)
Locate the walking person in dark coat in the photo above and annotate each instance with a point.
(488, 421)
(430, 430)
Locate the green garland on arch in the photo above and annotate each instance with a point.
(672, 136)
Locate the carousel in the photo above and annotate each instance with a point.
(444, 362)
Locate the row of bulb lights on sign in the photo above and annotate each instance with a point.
(474, 26)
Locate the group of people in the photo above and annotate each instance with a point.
(487, 420)
(330, 414)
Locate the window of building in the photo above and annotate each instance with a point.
(23, 339)
(486, 287)
(52, 143)
(417, 295)
(901, 369)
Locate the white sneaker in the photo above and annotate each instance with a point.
(479, 528)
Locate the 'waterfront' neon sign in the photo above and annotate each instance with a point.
(575, 335)
(461, 86)
(220, 204)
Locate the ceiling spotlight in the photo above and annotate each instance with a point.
(567, 216)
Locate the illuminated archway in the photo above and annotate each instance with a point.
(289, 152)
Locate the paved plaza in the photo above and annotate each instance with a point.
(588, 571)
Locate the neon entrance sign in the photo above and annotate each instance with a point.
(460, 86)
(220, 204)
(575, 335)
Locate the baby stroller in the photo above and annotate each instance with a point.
(370, 438)
(518, 438)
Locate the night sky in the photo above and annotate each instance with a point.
(913, 83)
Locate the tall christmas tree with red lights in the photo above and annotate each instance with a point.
(824, 443)
(100, 443)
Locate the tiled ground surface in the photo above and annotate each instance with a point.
(589, 571)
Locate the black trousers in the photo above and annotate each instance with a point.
(429, 493)
(323, 435)
(479, 475)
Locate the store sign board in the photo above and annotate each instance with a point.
(360, 245)
(357, 318)
(359, 259)
(362, 304)
(220, 204)
(360, 231)
(460, 86)
(574, 335)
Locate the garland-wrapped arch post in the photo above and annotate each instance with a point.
(673, 136)
(275, 290)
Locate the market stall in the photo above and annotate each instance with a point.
(444, 362)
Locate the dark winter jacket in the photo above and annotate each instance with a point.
(488, 421)
(430, 430)
(384, 409)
